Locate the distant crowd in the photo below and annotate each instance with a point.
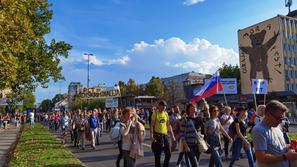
(218, 130)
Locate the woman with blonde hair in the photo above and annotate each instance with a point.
(259, 114)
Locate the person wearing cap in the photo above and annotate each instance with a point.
(269, 143)
(160, 126)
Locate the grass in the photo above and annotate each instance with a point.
(293, 136)
(39, 147)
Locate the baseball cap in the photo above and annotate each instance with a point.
(162, 103)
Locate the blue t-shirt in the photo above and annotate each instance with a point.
(271, 141)
(93, 121)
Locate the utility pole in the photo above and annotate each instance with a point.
(88, 75)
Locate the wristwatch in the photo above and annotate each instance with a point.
(285, 157)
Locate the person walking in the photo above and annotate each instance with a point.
(160, 126)
(240, 130)
(213, 128)
(226, 121)
(188, 135)
(269, 143)
(128, 128)
(93, 124)
(31, 120)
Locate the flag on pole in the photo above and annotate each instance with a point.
(210, 88)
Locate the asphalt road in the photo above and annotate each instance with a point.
(106, 153)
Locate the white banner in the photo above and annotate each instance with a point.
(229, 86)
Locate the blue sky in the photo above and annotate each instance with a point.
(142, 38)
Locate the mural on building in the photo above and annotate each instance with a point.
(260, 52)
(257, 53)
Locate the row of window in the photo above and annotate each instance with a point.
(290, 60)
(290, 27)
(292, 87)
(291, 73)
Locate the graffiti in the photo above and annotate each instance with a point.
(258, 52)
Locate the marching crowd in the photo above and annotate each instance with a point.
(217, 130)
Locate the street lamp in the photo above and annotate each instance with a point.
(88, 79)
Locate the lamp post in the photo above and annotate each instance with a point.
(88, 79)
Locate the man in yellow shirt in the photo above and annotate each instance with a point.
(159, 129)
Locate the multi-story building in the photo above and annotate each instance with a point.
(176, 85)
(268, 50)
(74, 89)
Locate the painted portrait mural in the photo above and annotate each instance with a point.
(261, 56)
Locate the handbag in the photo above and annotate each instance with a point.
(203, 146)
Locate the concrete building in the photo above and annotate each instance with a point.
(268, 50)
(176, 85)
(74, 89)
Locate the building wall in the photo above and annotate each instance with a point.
(261, 55)
(289, 34)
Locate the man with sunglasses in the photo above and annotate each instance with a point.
(269, 143)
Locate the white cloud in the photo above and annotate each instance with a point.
(174, 53)
(191, 2)
(97, 61)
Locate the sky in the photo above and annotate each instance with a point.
(139, 39)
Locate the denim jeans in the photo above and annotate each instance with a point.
(237, 145)
(194, 155)
(129, 161)
(180, 157)
(215, 158)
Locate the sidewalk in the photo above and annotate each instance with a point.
(7, 140)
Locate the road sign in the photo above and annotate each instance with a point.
(259, 86)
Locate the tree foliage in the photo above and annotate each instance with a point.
(27, 60)
(132, 88)
(123, 88)
(155, 87)
(28, 100)
(229, 71)
(46, 105)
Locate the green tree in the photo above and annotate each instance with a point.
(132, 88)
(27, 60)
(123, 88)
(57, 98)
(230, 71)
(28, 100)
(155, 87)
(46, 105)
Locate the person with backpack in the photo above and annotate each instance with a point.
(160, 126)
(226, 121)
(93, 123)
(239, 129)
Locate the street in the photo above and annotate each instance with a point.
(106, 153)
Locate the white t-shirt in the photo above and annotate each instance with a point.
(31, 115)
(228, 123)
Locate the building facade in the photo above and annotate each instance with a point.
(176, 85)
(74, 89)
(268, 50)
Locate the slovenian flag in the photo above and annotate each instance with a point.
(210, 88)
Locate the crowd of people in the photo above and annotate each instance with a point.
(262, 134)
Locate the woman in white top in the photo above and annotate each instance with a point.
(226, 121)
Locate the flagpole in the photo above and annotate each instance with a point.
(226, 102)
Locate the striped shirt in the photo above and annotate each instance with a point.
(187, 130)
